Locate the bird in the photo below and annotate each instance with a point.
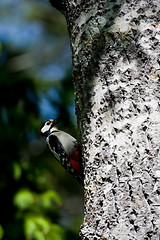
(65, 148)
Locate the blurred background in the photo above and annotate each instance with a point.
(38, 199)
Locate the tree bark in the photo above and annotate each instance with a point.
(116, 67)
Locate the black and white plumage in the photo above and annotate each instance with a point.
(64, 147)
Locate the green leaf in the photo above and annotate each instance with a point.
(42, 224)
(56, 232)
(49, 198)
(23, 199)
(29, 227)
(36, 227)
(39, 235)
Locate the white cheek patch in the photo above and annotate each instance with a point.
(45, 128)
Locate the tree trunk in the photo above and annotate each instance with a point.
(116, 57)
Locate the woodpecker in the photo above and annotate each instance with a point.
(64, 148)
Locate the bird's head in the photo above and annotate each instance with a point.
(48, 127)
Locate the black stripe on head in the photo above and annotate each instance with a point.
(46, 133)
(42, 125)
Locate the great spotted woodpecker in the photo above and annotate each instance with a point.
(64, 147)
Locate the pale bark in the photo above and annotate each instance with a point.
(116, 61)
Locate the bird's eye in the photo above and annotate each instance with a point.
(48, 123)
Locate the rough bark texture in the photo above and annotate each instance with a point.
(116, 66)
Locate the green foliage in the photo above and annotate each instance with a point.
(38, 228)
(36, 225)
(32, 184)
(56, 232)
(50, 197)
(1, 232)
(29, 204)
(23, 199)
(17, 171)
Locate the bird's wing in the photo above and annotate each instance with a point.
(59, 153)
